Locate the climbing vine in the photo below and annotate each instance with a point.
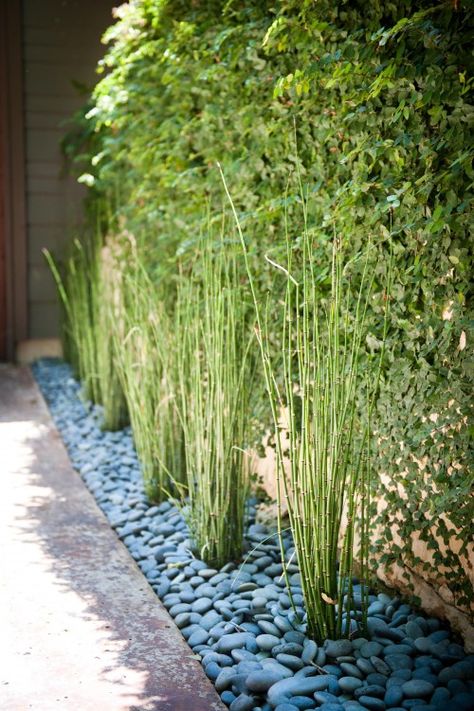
(374, 105)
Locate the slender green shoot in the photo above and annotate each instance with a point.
(146, 350)
(329, 438)
(88, 293)
(215, 373)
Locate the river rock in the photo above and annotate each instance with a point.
(290, 661)
(260, 681)
(225, 678)
(310, 650)
(199, 636)
(202, 605)
(282, 691)
(324, 697)
(399, 649)
(417, 689)
(338, 647)
(235, 640)
(288, 648)
(413, 630)
(365, 666)
(212, 670)
(399, 661)
(371, 649)
(348, 684)
(267, 641)
(273, 665)
(242, 703)
(302, 702)
(269, 628)
(349, 669)
(393, 696)
(370, 690)
(282, 624)
(372, 703)
(376, 608)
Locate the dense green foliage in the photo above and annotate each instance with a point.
(374, 107)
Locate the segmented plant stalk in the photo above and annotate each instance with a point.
(214, 377)
(325, 471)
(329, 442)
(108, 319)
(74, 291)
(147, 367)
(87, 291)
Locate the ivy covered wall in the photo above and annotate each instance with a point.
(374, 105)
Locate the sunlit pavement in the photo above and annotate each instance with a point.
(80, 627)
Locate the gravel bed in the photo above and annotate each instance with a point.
(238, 619)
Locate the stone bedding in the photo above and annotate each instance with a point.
(239, 620)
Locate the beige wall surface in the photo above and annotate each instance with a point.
(61, 47)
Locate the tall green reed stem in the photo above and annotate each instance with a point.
(74, 288)
(88, 293)
(329, 439)
(108, 319)
(215, 373)
(147, 368)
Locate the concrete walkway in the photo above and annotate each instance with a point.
(80, 628)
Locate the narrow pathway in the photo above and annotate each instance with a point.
(80, 628)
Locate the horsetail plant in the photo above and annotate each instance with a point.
(215, 372)
(88, 295)
(78, 326)
(147, 368)
(329, 435)
(108, 320)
